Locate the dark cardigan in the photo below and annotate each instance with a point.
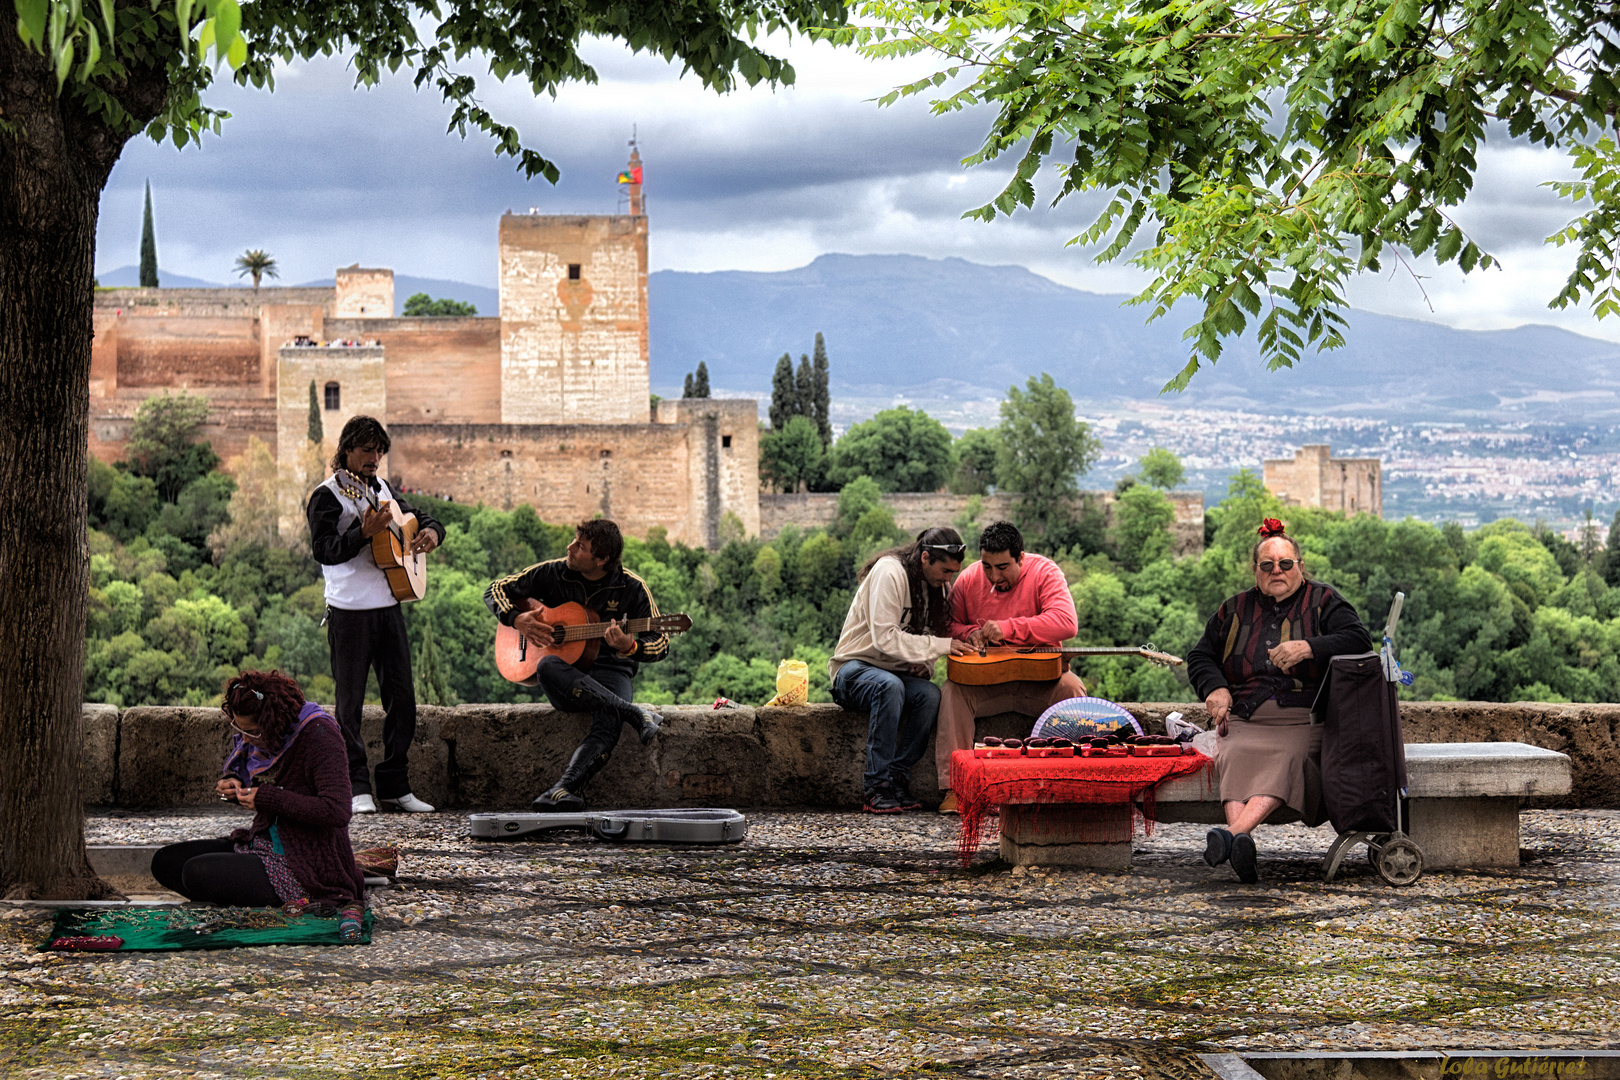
(309, 803)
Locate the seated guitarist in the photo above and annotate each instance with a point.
(592, 576)
(1010, 597)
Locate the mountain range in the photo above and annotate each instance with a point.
(950, 330)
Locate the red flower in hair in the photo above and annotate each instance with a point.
(1270, 527)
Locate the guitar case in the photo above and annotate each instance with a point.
(698, 826)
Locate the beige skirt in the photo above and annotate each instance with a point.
(1276, 752)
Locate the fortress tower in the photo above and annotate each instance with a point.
(574, 316)
(1314, 477)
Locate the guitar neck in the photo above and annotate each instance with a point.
(587, 631)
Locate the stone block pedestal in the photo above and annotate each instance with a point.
(1095, 837)
(1465, 833)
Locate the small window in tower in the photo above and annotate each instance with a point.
(725, 441)
(573, 271)
(334, 397)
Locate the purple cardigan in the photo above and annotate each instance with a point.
(309, 803)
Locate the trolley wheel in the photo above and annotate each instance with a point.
(1398, 861)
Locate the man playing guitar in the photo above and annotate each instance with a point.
(592, 576)
(1009, 597)
(365, 627)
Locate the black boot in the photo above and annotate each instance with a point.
(648, 724)
(567, 794)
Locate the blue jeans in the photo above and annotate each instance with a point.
(901, 712)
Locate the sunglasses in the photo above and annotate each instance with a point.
(1284, 565)
(951, 551)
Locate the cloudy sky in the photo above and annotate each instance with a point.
(322, 175)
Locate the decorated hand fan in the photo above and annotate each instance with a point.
(1085, 718)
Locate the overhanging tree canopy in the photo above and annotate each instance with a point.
(1267, 151)
(77, 81)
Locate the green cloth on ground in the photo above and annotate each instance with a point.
(151, 928)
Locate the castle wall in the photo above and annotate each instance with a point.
(139, 303)
(361, 375)
(1314, 478)
(440, 370)
(915, 511)
(573, 349)
(635, 474)
(722, 461)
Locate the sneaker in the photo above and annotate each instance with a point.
(904, 798)
(560, 800)
(881, 801)
(1245, 858)
(362, 804)
(408, 803)
(947, 805)
(650, 725)
(1217, 846)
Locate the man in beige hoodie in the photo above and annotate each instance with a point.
(897, 627)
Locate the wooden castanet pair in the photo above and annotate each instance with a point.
(391, 548)
(997, 664)
(518, 659)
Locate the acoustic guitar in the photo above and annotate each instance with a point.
(518, 659)
(996, 664)
(391, 548)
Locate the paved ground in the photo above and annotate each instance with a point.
(836, 945)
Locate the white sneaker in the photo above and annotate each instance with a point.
(408, 803)
(362, 804)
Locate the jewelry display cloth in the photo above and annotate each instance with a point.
(981, 784)
(148, 929)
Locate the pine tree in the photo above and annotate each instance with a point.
(316, 433)
(149, 273)
(784, 394)
(806, 390)
(700, 382)
(823, 413)
(686, 393)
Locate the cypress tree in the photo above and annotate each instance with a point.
(700, 382)
(784, 394)
(823, 413)
(806, 389)
(149, 274)
(316, 433)
(1611, 572)
(686, 393)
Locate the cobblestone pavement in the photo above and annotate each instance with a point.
(836, 945)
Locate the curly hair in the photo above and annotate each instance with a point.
(360, 431)
(605, 541)
(268, 697)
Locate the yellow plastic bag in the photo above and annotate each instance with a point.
(792, 683)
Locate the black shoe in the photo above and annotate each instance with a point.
(559, 800)
(881, 801)
(1217, 847)
(1244, 859)
(903, 797)
(651, 722)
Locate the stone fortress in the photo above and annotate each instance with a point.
(1313, 477)
(546, 402)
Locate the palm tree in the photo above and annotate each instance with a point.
(257, 263)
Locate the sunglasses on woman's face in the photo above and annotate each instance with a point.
(1284, 565)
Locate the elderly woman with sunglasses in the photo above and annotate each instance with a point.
(288, 765)
(1258, 668)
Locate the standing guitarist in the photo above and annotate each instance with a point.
(365, 627)
(1010, 597)
(592, 576)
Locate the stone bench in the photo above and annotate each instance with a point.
(1462, 809)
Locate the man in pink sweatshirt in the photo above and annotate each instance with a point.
(1009, 597)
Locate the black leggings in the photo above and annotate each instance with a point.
(211, 872)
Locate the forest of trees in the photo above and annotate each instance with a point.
(193, 579)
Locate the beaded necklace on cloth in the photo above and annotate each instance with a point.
(350, 485)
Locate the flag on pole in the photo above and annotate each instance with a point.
(630, 176)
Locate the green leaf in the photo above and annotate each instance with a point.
(236, 56)
(31, 21)
(227, 26)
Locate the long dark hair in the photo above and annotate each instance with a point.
(268, 697)
(930, 613)
(359, 431)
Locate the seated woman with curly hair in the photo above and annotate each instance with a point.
(1258, 668)
(288, 765)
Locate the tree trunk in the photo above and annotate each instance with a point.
(54, 161)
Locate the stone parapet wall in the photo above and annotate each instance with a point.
(915, 511)
(502, 756)
(209, 302)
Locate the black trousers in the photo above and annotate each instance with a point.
(362, 641)
(573, 690)
(211, 872)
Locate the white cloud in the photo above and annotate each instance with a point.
(323, 175)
